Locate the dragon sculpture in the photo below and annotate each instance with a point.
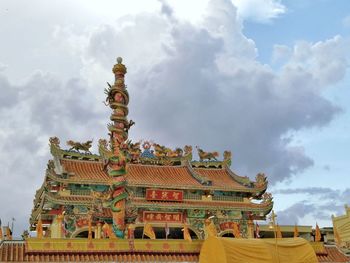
(134, 151)
(188, 152)
(260, 180)
(227, 157)
(162, 151)
(54, 141)
(117, 156)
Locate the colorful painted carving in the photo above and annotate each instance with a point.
(54, 141)
(227, 158)
(206, 155)
(260, 180)
(118, 99)
(78, 146)
(267, 197)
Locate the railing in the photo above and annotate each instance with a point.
(80, 192)
(192, 196)
(227, 198)
(189, 196)
(139, 194)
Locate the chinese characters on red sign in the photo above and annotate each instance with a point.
(164, 195)
(174, 217)
(226, 225)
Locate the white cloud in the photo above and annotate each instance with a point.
(259, 11)
(346, 21)
(3, 67)
(321, 203)
(281, 53)
(207, 77)
(326, 61)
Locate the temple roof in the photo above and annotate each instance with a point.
(181, 177)
(333, 254)
(220, 178)
(164, 176)
(85, 170)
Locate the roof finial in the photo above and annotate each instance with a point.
(119, 69)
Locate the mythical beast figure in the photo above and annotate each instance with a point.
(80, 146)
(206, 155)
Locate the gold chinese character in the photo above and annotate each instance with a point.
(153, 194)
(159, 216)
(176, 195)
(164, 195)
(167, 217)
(176, 217)
(150, 216)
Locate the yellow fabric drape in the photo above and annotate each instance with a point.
(317, 234)
(187, 235)
(39, 229)
(210, 229)
(233, 250)
(148, 231)
(278, 232)
(337, 236)
(296, 232)
(236, 231)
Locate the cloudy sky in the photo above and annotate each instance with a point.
(266, 79)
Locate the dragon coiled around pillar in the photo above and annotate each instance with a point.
(118, 99)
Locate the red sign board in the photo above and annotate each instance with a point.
(152, 216)
(227, 225)
(164, 195)
(55, 212)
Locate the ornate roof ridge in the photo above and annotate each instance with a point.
(244, 180)
(200, 178)
(57, 152)
(209, 168)
(81, 160)
(155, 165)
(64, 199)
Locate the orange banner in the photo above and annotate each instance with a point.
(164, 195)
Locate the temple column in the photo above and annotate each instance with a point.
(118, 99)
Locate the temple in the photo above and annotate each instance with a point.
(145, 202)
(128, 184)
